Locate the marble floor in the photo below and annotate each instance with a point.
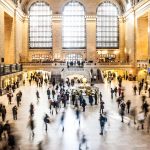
(117, 135)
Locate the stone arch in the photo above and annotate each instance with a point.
(66, 3)
(120, 11)
(28, 4)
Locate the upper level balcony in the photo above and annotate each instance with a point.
(86, 65)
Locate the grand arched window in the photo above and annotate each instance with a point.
(107, 35)
(40, 26)
(73, 32)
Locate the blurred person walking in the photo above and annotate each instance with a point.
(3, 113)
(46, 121)
(128, 104)
(31, 125)
(31, 110)
(62, 118)
(102, 121)
(14, 112)
(78, 114)
(83, 141)
(122, 110)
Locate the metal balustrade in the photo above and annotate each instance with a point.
(86, 65)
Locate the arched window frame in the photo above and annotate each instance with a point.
(102, 33)
(74, 44)
(43, 40)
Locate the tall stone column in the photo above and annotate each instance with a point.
(91, 37)
(15, 50)
(9, 39)
(2, 35)
(25, 51)
(122, 39)
(149, 35)
(57, 37)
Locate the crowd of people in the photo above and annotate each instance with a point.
(140, 116)
(60, 95)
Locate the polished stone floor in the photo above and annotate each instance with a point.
(117, 135)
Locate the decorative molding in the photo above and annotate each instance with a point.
(139, 9)
(56, 17)
(19, 14)
(90, 18)
(9, 6)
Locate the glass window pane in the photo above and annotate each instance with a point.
(107, 34)
(40, 26)
(73, 32)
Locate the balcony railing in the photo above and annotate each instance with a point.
(86, 64)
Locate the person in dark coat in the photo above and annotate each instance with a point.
(95, 96)
(31, 125)
(48, 93)
(1, 106)
(9, 95)
(3, 113)
(11, 141)
(1, 130)
(37, 95)
(91, 99)
(135, 89)
(80, 98)
(7, 128)
(18, 99)
(115, 91)
(102, 107)
(128, 104)
(83, 104)
(53, 82)
(149, 92)
(53, 93)
(140, 88)
(31, 110)
(102, 120)
(78, 114)
(62, 118)
(1, 92)
(112, 93)
(100, 96)
(14, 111)
(46, 121)
(73, 98)
(145, 108)
(122, 110)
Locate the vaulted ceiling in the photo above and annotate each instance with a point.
(26, 3)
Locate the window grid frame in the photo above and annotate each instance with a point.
(48, 26)
(83, 37)
(99, 27)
